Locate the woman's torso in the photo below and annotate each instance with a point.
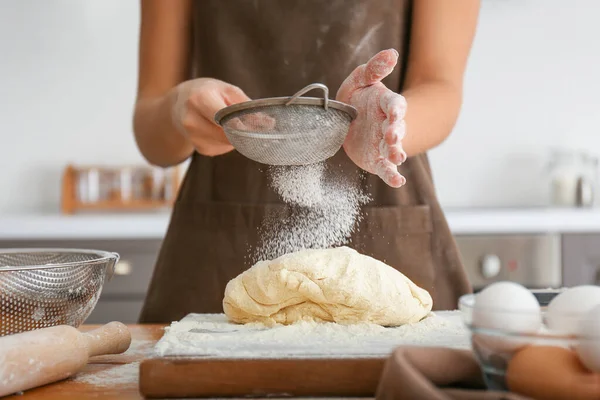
(274, 48)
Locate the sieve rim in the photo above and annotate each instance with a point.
(278, 101)
(103, 256)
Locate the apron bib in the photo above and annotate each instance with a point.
(273, 48)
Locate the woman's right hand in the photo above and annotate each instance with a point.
(194, 104)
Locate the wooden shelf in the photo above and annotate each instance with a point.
(115, 205)
(112, 201)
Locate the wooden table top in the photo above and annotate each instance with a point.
(105, 377)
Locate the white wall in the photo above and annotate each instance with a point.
(68, 72)
(67, 86)
(533, 82)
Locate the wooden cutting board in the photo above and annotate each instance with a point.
(203, 355)
(177, 378)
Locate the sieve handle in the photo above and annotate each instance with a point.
(308, 89)
(111, 268)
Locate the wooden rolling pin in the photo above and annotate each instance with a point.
(35, 358)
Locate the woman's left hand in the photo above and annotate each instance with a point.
(374, 140)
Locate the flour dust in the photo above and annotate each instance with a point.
(111, 377)
(323, 210)
(212, 335)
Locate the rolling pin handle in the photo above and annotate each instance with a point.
(112, 338)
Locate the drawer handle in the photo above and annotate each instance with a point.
(123, 268)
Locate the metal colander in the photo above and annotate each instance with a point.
(47, 287)
(288, 130)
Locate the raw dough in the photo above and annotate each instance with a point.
(336, 285)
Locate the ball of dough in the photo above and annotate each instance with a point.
(334, 285)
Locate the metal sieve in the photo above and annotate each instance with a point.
(47, 287)
(288, 130)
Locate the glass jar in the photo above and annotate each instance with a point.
(573, 178)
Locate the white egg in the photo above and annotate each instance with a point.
(566, 309)
(507, 306)
(588, 346)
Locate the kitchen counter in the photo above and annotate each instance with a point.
(84, 226)
(523, 220)
(154, 226)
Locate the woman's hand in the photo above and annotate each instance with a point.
(374, 140)
(194, 105)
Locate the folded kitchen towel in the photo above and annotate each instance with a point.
(432, 373)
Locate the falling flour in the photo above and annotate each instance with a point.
(301, 185)
(323, 212)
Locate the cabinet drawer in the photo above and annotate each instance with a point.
(125, 311)
(581, 259)
(133, 271)
(132, 274)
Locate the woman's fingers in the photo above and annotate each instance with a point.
(394, 132)
(254, 122)
(378, 67)
(234, 95)
(261, 121)
(393, 127)
(381, 117)
(393, 105)
(236, 124)
(194, 122)
(208, 100)
(393, 153)
(391, 145)
(389, 173)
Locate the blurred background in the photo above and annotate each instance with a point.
(518, 177)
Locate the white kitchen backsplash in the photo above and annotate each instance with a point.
(68, 81)
(532, 85)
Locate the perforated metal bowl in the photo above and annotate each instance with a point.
(47, 287)
(288, 130)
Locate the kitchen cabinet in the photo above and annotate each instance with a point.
(537, 261)
(533, 260)
(581, 259)
(111, 309)
(123, 295)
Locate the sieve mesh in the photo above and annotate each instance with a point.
(287, 131)
(46, 287)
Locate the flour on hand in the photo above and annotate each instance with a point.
(333, 285)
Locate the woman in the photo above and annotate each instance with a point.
(197, 57)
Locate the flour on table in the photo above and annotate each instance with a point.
(213, 336)
(117, 375)
(139, 347)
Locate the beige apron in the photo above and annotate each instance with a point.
(274, 48)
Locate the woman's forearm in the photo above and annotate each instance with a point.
(431, 114)
(163, 64)
(441, 37)
(158, 139)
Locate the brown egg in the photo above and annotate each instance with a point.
(551, 373)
